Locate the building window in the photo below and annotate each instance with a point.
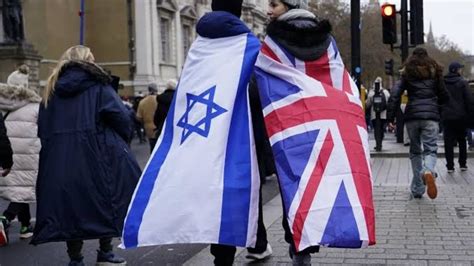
(187, 39)
(165, 30)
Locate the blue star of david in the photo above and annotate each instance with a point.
(212, 111)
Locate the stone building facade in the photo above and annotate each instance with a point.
(165, 30)
(141, 41)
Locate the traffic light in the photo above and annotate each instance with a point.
(416, 22)
(389, 23)
(389, 67)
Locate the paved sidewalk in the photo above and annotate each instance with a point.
(392, 149)
(409, 231)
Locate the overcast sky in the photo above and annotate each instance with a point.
(453, 18)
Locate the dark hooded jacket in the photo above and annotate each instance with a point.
(426, 92)
(458, 106)
(307, 38)
(6, 154)
(87, 173)
(164, 102)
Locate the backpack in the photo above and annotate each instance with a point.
(379, 102)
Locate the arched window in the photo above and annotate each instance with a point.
(188, 21)
(166, 11)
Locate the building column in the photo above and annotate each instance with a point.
(155, 29)
(144, 45)
(179, 43)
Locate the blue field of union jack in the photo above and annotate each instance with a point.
(316, 125)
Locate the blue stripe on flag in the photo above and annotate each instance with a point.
(337, 234)
(272, 88)
(296, 149)
(142, 195)
(237, 169)
(288, 54)
(334, 46)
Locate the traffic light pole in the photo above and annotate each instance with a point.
(404, 47)
(404, 26)
(355, 42)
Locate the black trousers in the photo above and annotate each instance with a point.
(152, 143)
(454, 132)
(223, 254)
(289, 239)
(22, 210)
(379, 133)
(74, 247)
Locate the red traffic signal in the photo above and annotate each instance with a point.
(388, 10)
(389, 23)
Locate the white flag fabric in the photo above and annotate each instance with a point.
(201, 183)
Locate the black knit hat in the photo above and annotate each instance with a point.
(231, 6)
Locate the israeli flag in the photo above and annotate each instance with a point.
(201, 183)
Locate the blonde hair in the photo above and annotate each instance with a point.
(75, 53)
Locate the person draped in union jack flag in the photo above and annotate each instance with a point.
(316, 127)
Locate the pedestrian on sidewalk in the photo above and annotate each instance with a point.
(455, 116)
(164, 102)
(470, 129)
(20, 76)
(6, 152)
(146, 112)
(307, 38)
(422, 78)
(20, 105)
(6, 162)
(223, 254)
(138, 126)
(87, 172)
(377, 100)
(403, 104)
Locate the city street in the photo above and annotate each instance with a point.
(409, 231)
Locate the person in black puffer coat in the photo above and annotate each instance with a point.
(164, 101)
(6, 163)
(422, 79)
(455, 115)
(6, 153)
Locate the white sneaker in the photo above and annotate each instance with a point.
(260, 256)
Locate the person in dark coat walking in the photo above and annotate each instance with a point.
(164, 102)
(87, 173)
(422, 78)
(6, 162)
(6, 153)
(455, 116)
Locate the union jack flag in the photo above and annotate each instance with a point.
(317, 130)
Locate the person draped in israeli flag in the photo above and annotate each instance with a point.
(201, 183)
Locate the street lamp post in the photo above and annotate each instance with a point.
(356, 69)
(81, 30)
